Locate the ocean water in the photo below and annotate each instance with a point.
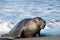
(12, 11)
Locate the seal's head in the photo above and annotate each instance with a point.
(40, 22)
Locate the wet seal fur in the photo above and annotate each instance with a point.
(29, 27)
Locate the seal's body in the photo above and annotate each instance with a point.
(19, 27)
(28, 27)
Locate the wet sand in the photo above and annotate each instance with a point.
(41, 38)
(35, 38)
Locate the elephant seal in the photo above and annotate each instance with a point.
(28, 27)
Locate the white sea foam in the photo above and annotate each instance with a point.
(5, 27)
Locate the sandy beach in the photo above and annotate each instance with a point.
(41, 38)
(35, 38)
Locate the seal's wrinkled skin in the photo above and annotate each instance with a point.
(28, 27)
